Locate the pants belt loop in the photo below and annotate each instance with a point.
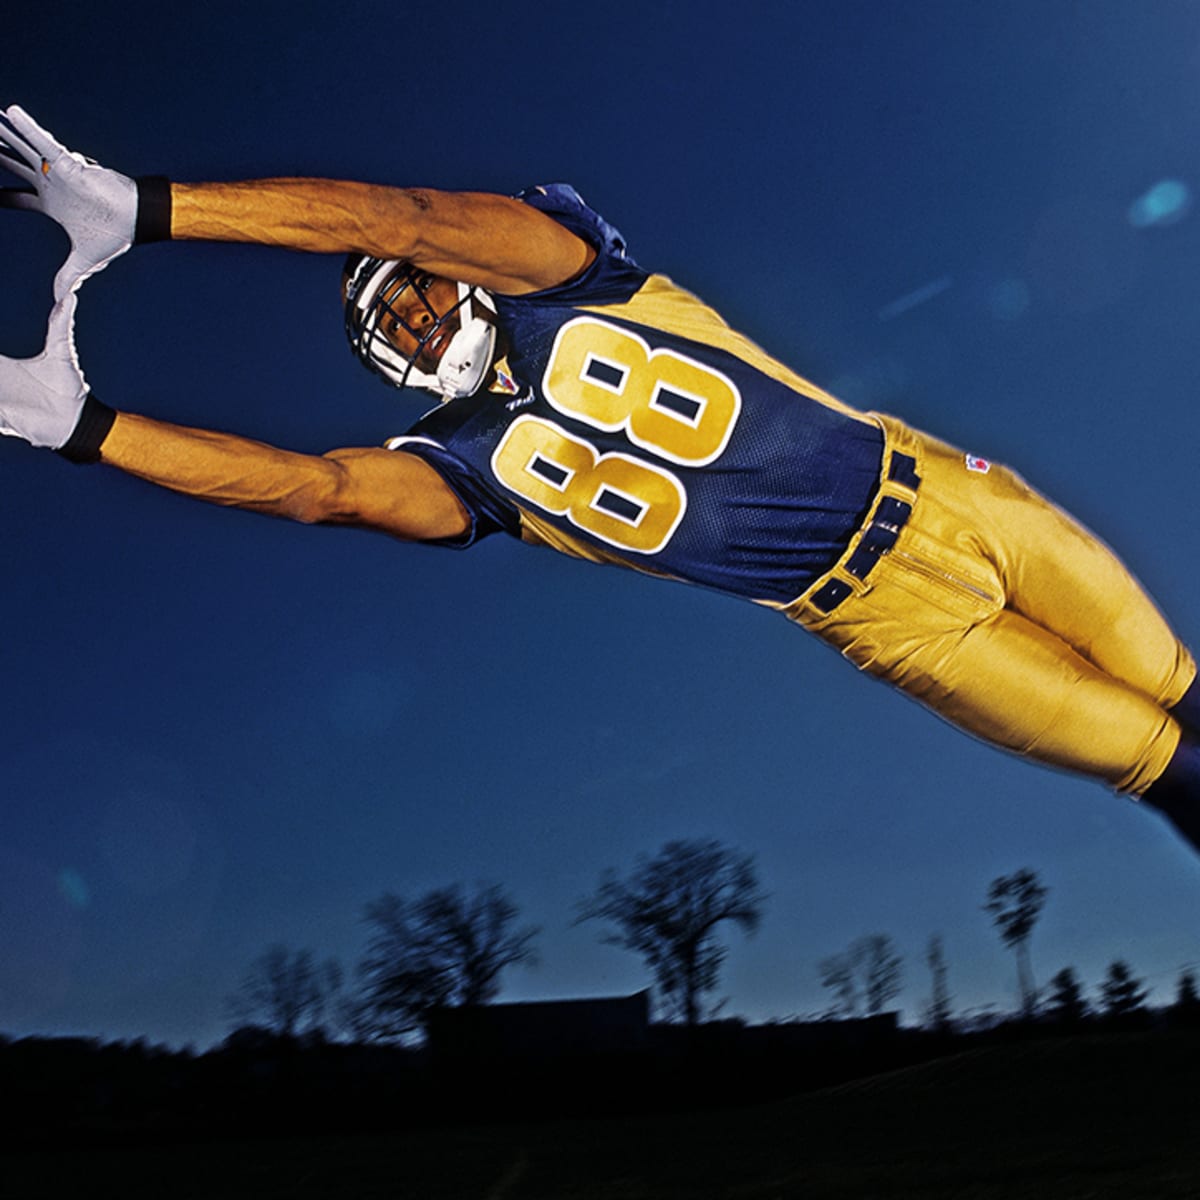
(890, 513)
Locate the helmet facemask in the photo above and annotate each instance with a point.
(374, 289)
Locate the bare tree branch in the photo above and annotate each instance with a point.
(445, 949)
(284, 991)
(669, 909)
(1015, 902)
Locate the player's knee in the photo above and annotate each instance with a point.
(1187, 711)
(1176, 792)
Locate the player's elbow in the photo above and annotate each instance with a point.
(391, 492)
(326, 498)
(321, 495)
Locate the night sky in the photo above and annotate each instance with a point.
(221, 731)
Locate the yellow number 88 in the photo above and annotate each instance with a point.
(621, 501)
(667, 403)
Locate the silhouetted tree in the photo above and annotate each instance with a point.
(285, 992)
(880, 967)
(668, 910)
(1186, 1009)
(838, 975)
(1015, 902)
(1122, 993)
(445, 949)
(1066, 1003)
(938, 1011)
(1186, 996)
(869, 969)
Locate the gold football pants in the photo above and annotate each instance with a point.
(1004, 615)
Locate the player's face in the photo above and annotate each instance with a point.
(412, 310)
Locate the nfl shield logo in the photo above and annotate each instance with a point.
(504, 382)
(975, 463)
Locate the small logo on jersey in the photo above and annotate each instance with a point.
(504, 382)
(975, 463)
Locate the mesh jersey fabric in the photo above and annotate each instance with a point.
(629, 424)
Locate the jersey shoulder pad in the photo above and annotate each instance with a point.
(433, 439)
(613, 277)
(562, 202)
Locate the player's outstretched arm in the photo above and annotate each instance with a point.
(389, 491)
(494, 241)
(45, 401)
(477, 237)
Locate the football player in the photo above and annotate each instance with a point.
(591, 406)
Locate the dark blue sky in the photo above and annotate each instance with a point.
(221, 731)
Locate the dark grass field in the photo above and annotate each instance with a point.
(1116, 1116)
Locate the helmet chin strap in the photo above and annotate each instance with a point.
(469, 354)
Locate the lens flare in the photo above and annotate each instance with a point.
(73, 889)
(913, 299)
(1166, 203)
(1009, 299)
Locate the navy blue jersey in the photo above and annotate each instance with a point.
(629, 424)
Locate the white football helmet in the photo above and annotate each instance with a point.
(372, 286)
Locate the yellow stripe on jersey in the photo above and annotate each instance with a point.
(661, 304)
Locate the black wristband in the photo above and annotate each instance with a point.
(154, 209)
(83, 446)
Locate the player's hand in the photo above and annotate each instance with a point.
(41, 398)
(97, 207)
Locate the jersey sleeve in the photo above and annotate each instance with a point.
(613, 276)
(487, 512)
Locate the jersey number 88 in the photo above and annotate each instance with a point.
(671, 406)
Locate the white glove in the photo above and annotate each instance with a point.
(97, 207)
(42, 398)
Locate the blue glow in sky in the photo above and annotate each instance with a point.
(222, 732)
(918, 296)
(1167, 202)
